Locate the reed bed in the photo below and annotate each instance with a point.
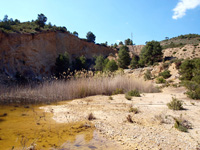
(59, 90)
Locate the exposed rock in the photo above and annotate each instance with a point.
(35, 54)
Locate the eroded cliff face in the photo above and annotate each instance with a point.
(34, 55)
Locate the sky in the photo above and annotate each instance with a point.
(112, 20)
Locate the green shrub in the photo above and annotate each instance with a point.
(175, 104)
(178, 125)
(148, 75)
(111, 66)
(134, 93)
(160, 80)
(110, 98)
(128, 97)
(124, 57)
(165, 74)
(134, 110)
(118, 91)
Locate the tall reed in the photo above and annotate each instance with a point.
(58, 90)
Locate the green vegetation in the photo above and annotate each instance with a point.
(41, 20)
(175, 104)
(100, 63)
(111, 66)
(190, 76)
(179, 126)
(124, 58)
(79, 63)
(151, 53)
(38, 25)
(128, 42)
(62, 64)
(134, 62)
(180, 41)
(134, 93)
(160, 80)
(75, 33)
(118, 91)
(165, 74)
(133, 110)
(90, 37)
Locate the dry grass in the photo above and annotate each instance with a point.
(58, 90)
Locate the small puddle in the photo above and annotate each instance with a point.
(21, 127)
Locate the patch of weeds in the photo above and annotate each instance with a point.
(133, 110)
(175, 104)
(160, 80)
(174, 53)
(118, 91)
(192, 103)
(165, 74)
(129, 119)
(134, 93)
(182, 125)
(110, 98)
(91, 117)
(128, 97)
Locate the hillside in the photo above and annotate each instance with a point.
(34, 55)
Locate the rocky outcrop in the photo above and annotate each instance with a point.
(34, 55)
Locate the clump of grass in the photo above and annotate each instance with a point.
(134, 93)
(175, 104)
(110, 98)
(165, 74)
(133, 110)
(160, 80)
(128, 97)
(91, 117)
(182, 125)
(118, 91)
(129, 119)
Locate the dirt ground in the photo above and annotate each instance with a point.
(152, 127)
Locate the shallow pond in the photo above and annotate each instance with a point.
(25, 126)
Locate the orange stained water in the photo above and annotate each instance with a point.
(21, 127)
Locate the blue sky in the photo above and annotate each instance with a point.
(113, 20)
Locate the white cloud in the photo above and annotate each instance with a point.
(183, 6)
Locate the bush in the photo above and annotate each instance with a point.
(90, 37)
(62, 64)
(118, 91)
(165, 74)
(134, 110)
(148, 75)
(111, 66)
(128, 97)
(151, 53)
(100, 63)
(160, 80)
(134, 62)
(124, 58)
(193, 89)
(178, 125)
(175, 104)
(134, 93)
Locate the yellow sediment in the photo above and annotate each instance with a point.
(21, 127)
